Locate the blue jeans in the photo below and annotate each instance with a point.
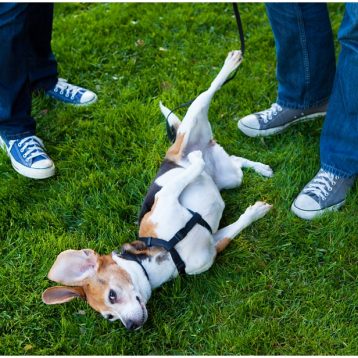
(307, 75)
(26, 63)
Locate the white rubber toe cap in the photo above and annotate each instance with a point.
(42, 164)
(88, 97)
(250, 121)
(305, 207)
(305, 202)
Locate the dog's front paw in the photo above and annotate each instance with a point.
(263, 169)
(258, 210)
(195, 157)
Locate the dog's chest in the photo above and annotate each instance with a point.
(148, 202)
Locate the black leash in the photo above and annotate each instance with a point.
(242, 48)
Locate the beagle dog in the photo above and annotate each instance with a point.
(179, 221)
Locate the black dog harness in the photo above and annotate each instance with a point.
(179, 236)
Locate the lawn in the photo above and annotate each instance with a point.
(284, 286)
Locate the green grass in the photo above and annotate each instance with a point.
(284, 286)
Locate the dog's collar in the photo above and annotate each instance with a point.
(180, 235)
(132, 257)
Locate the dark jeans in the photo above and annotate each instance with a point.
(26, 63)
(307, 75)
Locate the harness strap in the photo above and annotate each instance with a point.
(132, 257)
(179, 236)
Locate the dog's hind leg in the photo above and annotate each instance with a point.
(258, 167)
(254, 212)
(195, 126)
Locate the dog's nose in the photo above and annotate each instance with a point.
(131, 325)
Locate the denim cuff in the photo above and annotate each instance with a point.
(17, 135)
(291, 105)
(335, 171)
(45, 84)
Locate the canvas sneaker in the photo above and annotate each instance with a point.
(276, 119)
(28, 157)
(325, 192)
(68, 93)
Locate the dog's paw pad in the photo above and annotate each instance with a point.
(258, 210)
(234, 59)
(264, 170)
(195, 156)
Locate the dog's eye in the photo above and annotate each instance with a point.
(112, 296)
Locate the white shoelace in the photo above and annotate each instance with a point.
(321, 185)
(66, 88)
(32, 147)
(268, 114)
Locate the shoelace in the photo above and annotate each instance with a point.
(32, 145)
(321, 185)
(66, 88)
(268, 114)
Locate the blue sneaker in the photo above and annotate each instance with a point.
(67, 93)
(28, 157)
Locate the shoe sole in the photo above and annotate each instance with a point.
(76, 104)
(252, 132)
(311, 214)
(28, 172)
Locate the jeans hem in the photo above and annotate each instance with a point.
(17, 136)
(291, 105)
(45, 84)
(331, 169)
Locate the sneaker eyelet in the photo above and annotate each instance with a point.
(67, 95)
(21, 150)
(61, 92)
(265, 120)
(275, 113)
(72, 97)
(323, 199)
(56, 90)
(326, 194)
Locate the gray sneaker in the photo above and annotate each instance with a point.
(325, 192)
(276, 119)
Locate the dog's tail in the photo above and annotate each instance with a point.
(172, 122)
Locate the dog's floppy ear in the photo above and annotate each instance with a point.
(135, 247)
(73, 267)
(62, 294)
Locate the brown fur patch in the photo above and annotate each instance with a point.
(147, 228)
(222, 244)
(175, 152)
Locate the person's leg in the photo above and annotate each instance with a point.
(305, 53)
(15, 95)
(43, 66)
(339, 138)
(17, 127)
(305, 67)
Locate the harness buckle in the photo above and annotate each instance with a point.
(148, 241)
(177, 237)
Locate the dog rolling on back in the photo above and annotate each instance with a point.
(179, 221)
